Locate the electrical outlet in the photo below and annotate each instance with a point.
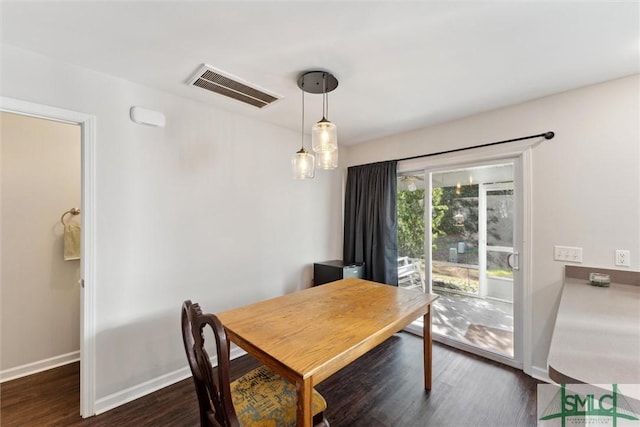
(567, 253)
(622, 258)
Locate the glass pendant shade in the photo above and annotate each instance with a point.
(328, 160)
(324, 136)
(303, 165)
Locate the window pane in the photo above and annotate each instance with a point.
(455, 224)
(498, 264)
(463, 278)
(500, 218)
(411, 216)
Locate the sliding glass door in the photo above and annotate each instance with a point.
(456, 239)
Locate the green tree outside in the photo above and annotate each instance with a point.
(447, 201)
(411, 221)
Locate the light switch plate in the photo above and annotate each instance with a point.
(567, 253)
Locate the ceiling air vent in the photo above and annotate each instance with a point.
(218, 81)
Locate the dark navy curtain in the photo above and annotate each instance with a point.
(370, 221)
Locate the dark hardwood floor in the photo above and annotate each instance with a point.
(382, 388)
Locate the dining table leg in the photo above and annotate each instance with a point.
(303, 409)
(426, 342)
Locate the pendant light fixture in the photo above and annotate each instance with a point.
(328, 160)
(324, 138)
(303, 162)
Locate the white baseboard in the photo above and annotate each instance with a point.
(132, 393)
(114, 400)
(39, 366)
(541, 374)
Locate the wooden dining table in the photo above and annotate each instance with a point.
(308, 335)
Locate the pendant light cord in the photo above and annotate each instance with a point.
(324, 96)
(302, 127)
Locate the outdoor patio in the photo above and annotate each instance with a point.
(485, 323)
(458, 314)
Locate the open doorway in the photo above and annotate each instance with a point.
(40, 291)
(86, 124)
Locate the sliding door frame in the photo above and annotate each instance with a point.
(520, 154)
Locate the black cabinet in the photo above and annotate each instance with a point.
(330, 271)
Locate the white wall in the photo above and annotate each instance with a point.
(586, 181)
(203, 209)
(40, 296)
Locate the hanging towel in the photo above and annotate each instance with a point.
(71, 242)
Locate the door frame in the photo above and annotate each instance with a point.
(482, 231)
(520, 152)
(88, 283)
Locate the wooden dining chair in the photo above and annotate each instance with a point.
(260, 398)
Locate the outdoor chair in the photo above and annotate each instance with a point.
(409, 275)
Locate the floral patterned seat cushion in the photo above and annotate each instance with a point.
(263, 398)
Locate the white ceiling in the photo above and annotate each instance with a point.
(400, 65)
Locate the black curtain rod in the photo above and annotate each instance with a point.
(546, 135)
